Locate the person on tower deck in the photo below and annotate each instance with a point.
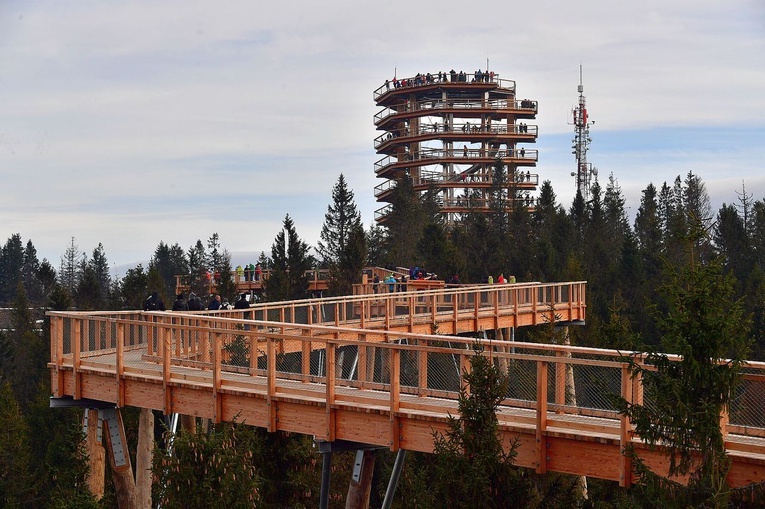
(180, 304)
(464, 151)
(523, 152)
(258, 272)
(239, 273)
(501, 279)
(387, 85)
(528, 176)
(491, 76)
(453, 75)
(247, 273)
(376, 284)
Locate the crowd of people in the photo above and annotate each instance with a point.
(249, 272)
(194, 303)
(442, 77)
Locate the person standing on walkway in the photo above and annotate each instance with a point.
(180, 304)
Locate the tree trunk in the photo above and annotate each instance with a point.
(122, 473)
(96, 456)
(359, 489)
(144, 457)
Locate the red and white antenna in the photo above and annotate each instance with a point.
(581, 122)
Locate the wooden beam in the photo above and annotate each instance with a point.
(625, 434)
(271, 384)
(395, 399)
(541, 420)
(216, 378)
(329, 401)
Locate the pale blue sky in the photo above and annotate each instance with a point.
(128, 123)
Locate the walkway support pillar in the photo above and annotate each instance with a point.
(390, 493)
(326, 470)
(95, 451)
(361, 481)
(144, 457)
(119, 459)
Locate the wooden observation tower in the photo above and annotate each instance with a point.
(449, 131)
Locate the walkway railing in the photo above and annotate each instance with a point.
(555, 388)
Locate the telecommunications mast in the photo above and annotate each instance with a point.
(584, 170)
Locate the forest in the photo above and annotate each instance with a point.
(642, 273)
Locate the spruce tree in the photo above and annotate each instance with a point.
(342, 244)
(685, 399)
(473, 467)
(290, 260)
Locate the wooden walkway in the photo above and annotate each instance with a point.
(383, 370)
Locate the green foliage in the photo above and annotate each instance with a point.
(290, 260)
(688, 396)
(15, 479)
(473, 467)
(214, 469)
(343, 243)
(134, 288)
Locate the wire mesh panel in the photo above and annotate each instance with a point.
(523, 379)
(746, 408)
(593, 387)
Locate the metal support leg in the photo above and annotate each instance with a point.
(326, 468)
(394, 476)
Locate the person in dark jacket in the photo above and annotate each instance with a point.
(214, 303)
(153, 303)
(180, 304)
(194, 303)
(242, 302)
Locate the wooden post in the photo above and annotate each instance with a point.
(541, 420)
(144, 456)
(119, 459)
(395, 398)
(216, 378)
(625, 436)
(330, 395)
(360, 486)
(96, 455)
(120, 365)
(271, 383)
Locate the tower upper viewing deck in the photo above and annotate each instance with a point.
(448, 131)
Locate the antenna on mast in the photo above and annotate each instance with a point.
(584, 170)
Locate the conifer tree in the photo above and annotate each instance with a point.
(135, 288)
(473, 467)
(15, 481)
(703, 325)
(170, 261)
(290, 260)
(342, 244)
(11, 265)
(71, 267)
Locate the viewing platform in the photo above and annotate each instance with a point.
(447, 132)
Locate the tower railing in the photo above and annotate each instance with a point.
(501, 105)
(448, 80)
